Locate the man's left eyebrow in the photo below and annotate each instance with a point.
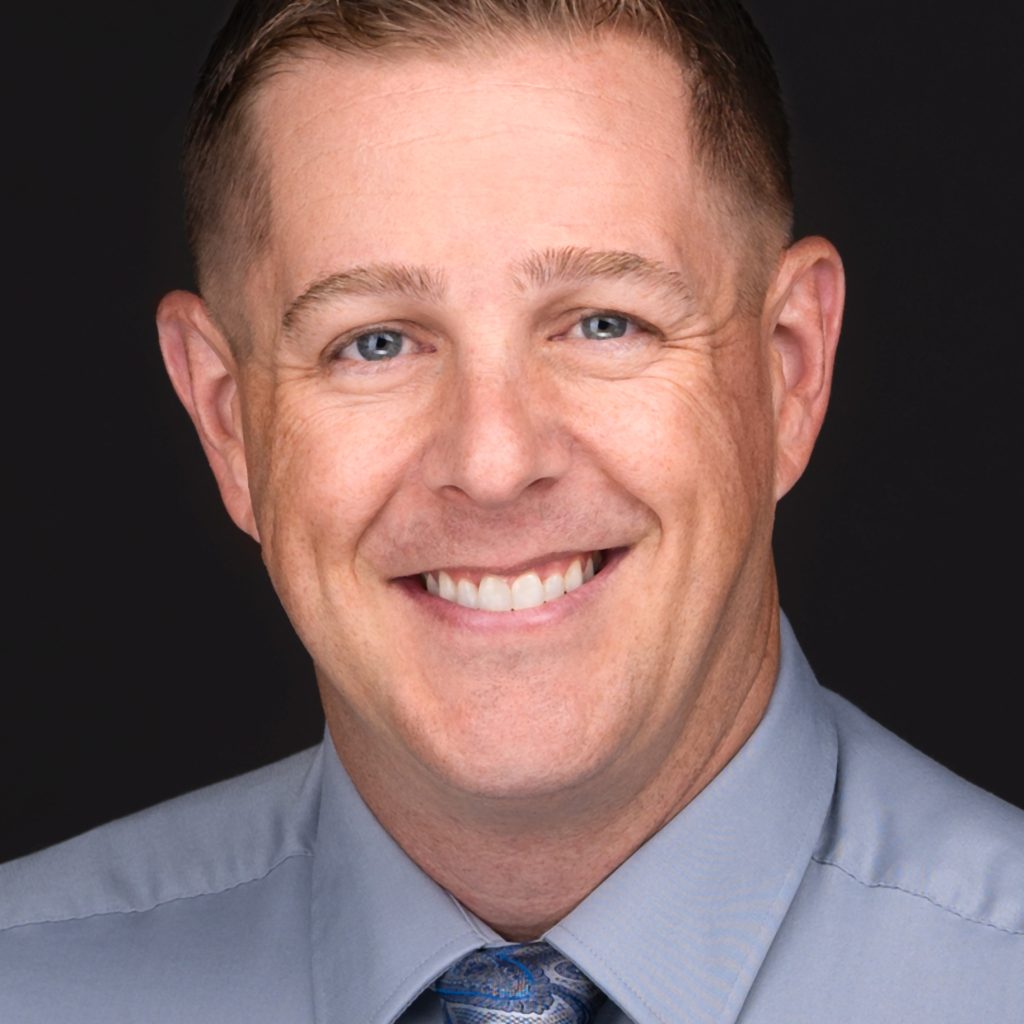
(574, 264)
(421, 283)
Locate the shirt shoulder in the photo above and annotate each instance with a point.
(902, 823)
(194, 910)
(205, 842)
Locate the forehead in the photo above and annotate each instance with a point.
(471, 163)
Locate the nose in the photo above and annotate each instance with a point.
(498, 437)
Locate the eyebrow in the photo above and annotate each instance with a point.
(574, 264)
(540, 270)
(372, 279)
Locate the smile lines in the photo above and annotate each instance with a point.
(501, 594)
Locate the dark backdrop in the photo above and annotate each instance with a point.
(148, 655)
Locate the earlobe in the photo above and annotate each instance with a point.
(204, 373)
(804, 311)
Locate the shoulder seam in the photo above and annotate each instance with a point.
(159, 903)
(919, 895)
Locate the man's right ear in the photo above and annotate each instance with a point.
(204, 373)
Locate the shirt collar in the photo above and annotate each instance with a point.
(679, 931)
(676, 932)
(382, 930)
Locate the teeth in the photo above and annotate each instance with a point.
(573, 576)
(466, 594)
(527, 591)
(495, 595)
(554, 586)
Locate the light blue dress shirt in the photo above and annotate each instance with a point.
(829, 873)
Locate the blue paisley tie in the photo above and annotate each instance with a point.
(524, 984)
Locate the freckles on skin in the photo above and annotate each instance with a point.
(321, 437)
(651, 450)
(675, 404)
(501, 177)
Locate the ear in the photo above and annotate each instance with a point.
(804, 312)
(205, 375)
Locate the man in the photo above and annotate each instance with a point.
(504, 356)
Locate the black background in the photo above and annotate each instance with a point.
(148, 655)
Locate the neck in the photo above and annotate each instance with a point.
(522, 864)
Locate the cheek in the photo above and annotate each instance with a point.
(330, 471)
(691, 437)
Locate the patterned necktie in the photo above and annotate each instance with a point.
(523, 984)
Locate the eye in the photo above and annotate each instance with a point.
(374, 346)
(606, 326)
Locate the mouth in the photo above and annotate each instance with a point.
(493, 590)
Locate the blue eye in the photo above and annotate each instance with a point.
(374, 346)
(604, 326)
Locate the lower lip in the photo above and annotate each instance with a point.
(452, 614)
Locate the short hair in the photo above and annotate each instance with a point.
(741, 135)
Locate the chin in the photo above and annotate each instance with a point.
(507, 767)
(536, 784)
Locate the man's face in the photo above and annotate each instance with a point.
(498, 336)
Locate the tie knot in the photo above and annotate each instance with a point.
(507, 983)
